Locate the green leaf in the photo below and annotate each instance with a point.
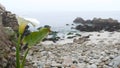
(35, 37)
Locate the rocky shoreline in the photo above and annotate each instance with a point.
(86, 50)
(99, 50)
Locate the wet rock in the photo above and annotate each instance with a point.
(53, 37)
(77, 34)
(70, 33)
(47, 26)
(70, 37)
(67, 24)
(72, 27)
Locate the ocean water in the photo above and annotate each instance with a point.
(65, 29)
(58, 20)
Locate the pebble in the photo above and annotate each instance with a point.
(67, 61)
(92, 66)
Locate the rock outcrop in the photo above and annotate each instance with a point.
(9, 20)
(8, 26)
(97, 24)
(7, 56)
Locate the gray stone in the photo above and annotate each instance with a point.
(67, 61)
(92, 66)
(115, 63)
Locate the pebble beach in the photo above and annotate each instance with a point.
(90, 50)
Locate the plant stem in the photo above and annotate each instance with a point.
(18, 53)
(24, 58)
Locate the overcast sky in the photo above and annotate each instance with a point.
(61, 5)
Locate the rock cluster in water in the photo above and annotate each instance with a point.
(97, 24)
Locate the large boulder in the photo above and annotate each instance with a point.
(79, 20)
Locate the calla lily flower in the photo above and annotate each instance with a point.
(23, 23)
